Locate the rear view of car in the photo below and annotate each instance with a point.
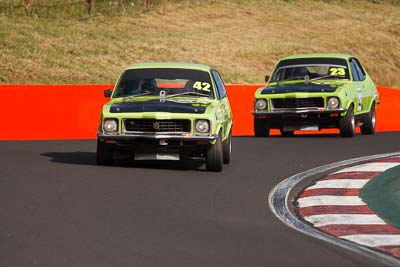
(316, 91)
(167, 111)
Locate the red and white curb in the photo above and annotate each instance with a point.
(281, 202)
(333, 206)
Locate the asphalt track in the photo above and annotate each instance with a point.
(57, 208)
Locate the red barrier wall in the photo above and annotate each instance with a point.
(38, 112)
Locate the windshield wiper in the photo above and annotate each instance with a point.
(291, 78)
(326, 76)
(145, 93)
(321, 77)
(188, 93)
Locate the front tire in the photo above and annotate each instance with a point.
(104, 153)
(227, 149)
(214, 157)
(261, 128)
(368, 126)
(347, 123)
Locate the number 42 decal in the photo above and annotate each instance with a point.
(202, 86)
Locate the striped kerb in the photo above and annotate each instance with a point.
(332, 204)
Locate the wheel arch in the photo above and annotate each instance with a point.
(226, 131)
(374, 101)
(350, 104)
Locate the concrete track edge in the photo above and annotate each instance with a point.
(280, 201)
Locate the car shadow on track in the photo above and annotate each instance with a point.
(181, 165)
(89, 158)
(75, 158)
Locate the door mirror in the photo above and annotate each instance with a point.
(108, 93)
(266, 78)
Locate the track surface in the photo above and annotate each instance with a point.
(57, 208)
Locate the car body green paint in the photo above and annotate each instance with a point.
(216, 109)
(360, 94)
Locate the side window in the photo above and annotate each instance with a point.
(219, 83)
(354, 71)
(361, 72)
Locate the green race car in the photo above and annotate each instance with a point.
(316, 91)
(167, 111)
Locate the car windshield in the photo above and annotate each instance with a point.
(311, 69)
(173, 82)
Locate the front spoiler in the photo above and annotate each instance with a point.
(298, 111)
(157, 137)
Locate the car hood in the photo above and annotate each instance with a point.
(301, 88)
(155, 105)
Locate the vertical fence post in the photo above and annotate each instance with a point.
(90, 7)
(147, 4)
(119, 5)
(27, 4)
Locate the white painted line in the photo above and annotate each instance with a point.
(374, 240)
(330, 201)
(340, 183)
(371, 167)
(337, 219)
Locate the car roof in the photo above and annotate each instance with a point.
(319, 55)
(168, 65)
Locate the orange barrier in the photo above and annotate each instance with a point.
(42, 112)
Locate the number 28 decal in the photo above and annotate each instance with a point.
(202, 86)
(337, 71)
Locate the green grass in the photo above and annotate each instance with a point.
(382, 194)
(242, 39)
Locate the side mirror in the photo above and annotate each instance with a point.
(266, 78)
(108, 93)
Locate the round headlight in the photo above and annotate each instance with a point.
(110, 125)
(202, 126)
(333, 102)
(261, 104)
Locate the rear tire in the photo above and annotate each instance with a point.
(261, 128)
(347, 123)
(214, 158)
(369, 122)
(227, 149)
(104, 153)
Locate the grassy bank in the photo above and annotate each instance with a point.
(242, 39)
(382, 194)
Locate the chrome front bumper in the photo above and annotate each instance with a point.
(158, 137)
(298, 111)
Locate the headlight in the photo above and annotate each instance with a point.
(110, 125)
(202, 126)
(261, 104)
(333, 102)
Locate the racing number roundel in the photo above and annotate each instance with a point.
(359, 96)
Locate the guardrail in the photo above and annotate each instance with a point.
(44, 112)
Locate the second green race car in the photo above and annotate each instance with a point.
(316, 91)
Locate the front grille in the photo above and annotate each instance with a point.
(312, 102)
(157, 126)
